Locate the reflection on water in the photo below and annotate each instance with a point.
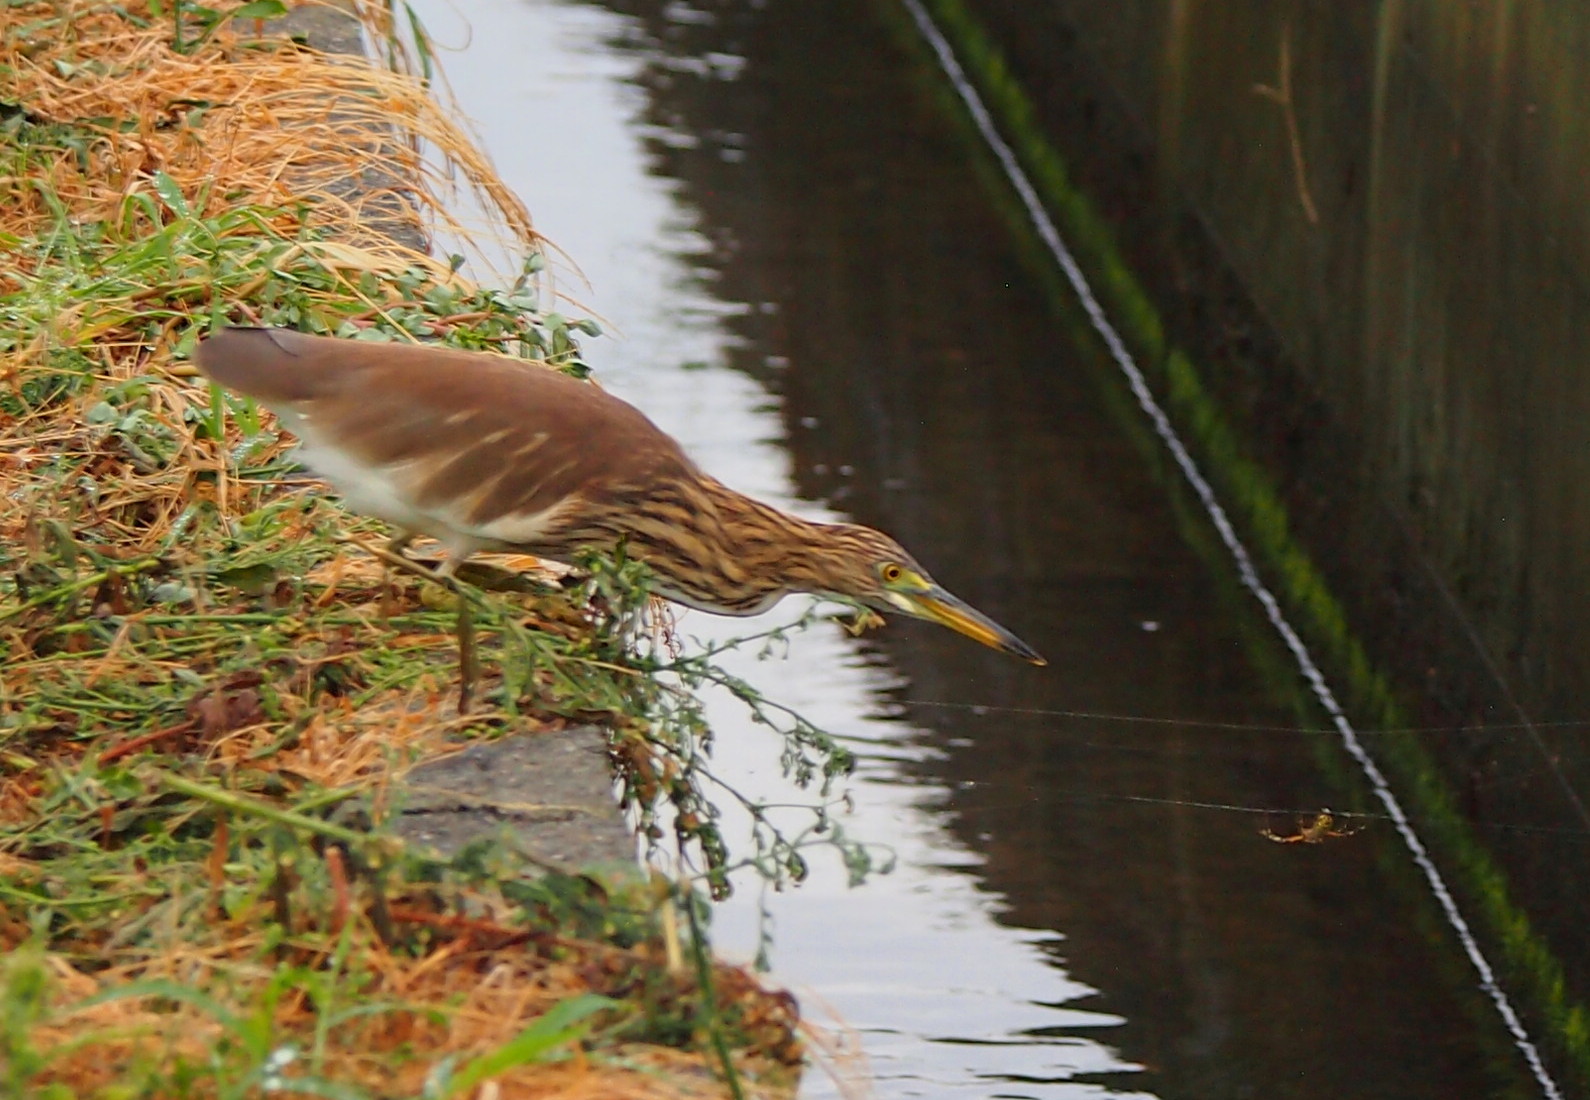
(818, 293)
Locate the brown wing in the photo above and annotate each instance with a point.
(508, 437)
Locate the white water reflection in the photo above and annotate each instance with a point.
(948, 1001)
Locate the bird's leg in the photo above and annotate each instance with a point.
(468, 662)
(444, 575)
(395, 546)
(459, 550)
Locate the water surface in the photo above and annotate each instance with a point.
(819, 289)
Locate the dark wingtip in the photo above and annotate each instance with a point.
(234, 339)
(265, 363)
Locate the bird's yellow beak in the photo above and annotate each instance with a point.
(936, 604)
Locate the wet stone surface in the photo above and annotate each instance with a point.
(546, 794)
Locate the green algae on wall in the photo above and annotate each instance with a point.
(1531, 968)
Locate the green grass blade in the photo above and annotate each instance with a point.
(567, 1022)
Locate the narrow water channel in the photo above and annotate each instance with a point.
(817, 285)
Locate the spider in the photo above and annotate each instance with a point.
(1315, 830)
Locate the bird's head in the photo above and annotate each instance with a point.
(870, 568)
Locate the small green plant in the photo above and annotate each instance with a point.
(194, 24)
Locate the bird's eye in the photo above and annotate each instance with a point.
(892, 572)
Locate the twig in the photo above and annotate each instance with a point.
(1282, 96)
(116, 752)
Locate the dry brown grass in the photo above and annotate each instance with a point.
(466, 996)
(246, 117)
(197, 667)
(238, 123)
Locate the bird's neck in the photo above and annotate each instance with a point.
(739, 556)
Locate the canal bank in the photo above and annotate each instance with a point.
(1314, 230)
(251, 838)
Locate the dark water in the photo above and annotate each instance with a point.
(776, 196)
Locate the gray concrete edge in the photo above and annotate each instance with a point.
(548, 795)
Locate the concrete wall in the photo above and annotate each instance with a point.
(1365, 224)
(1415, 236)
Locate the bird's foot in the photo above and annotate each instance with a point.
(865, 619)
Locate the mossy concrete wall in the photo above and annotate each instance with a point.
(1398, 187)
(1355, 234)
